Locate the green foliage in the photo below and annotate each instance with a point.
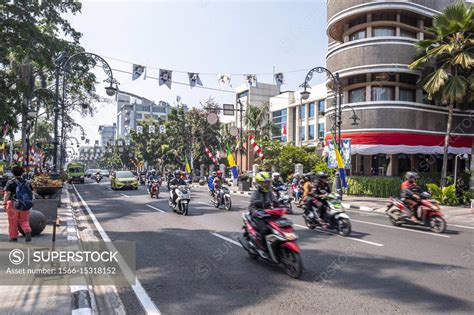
(375, 186)
(444, 195)
(257, 120)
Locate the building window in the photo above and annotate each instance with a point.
(243, 94)
(143, 108)
(407, 95)
(384, 16)
(311, 132)
(357, 21)
(360, 78)
(383, 93)
(302, 111)
(357, 95)
(383, 31)
(302, 138)
(279, 119)
(383, 77)
(138, 116)
(311, 110)
(409, 19)
(357, 35)
(321, 107)
(408, 78)
(405, 33)
(158, 109)
(320, 131)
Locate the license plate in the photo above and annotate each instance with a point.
(185, 201)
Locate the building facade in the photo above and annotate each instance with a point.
(257, 95)
(131, 109)
(371, 44)
(107, 133)
(301, 122)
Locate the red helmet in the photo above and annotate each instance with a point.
(219, 173)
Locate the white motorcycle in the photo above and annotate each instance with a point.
(284, 198)
(226, 201)
(182, 201)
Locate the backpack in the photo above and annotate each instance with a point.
(24, 196)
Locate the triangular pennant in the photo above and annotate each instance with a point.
(251, 80)
(165, 77)
(137, 71)
(194, 79)
(279, 78)
(223, 80)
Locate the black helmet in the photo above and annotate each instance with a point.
(322, 175)
(177, 173)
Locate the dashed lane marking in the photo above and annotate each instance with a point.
(349, 238)
(155, 208)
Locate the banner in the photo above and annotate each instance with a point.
(345, 154)
(151, 129)
(232, 165)
(340, 165)
(194, 79)
(165, 77)
(279, 79)
(162, 129)
(223, 80)
(251, 80)
(137, 71)
(139, 129)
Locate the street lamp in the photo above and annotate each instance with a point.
(461, 157)
(62, 64)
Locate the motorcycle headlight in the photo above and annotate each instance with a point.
(82, 177)
(290, 236)
(179, 192)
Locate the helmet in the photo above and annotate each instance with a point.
(219, 173)
(214, 174)
(177, 173)
(322, 175)
(264, 181)
(411, 176)
(275, 174)
(153, 172)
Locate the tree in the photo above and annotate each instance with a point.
(448, 59)
(258, 122)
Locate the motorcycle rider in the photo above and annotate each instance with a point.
(151, 177)
(321, 189)
(218, 182)
(277, 182)
(260, 200)
(409, 194)
(176, 181)
(210, 183)
(98, 174)
(307, 188)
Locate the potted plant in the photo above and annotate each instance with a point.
(47, 193)
(244, 181)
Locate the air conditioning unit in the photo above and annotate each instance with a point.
(322, 113)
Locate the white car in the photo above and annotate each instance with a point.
(105, 173)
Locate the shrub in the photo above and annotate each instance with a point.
(445, 196)
(375, 186)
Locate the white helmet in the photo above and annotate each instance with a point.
(276, 174)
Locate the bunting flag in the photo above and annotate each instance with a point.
(144, 74)
(137, 71)
(232, 165)
(162, 129)
(139, 129)
(279, 78)
(340, 164)
(166, 77)
(188, 167)
(251, 80)
(209, 154)
(283, 130)
(256, 148)
(224, 80)
(151, 129)
(194, 79)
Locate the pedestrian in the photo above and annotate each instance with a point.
(18, 200)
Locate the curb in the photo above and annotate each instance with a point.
(81, 300)
(362, 208)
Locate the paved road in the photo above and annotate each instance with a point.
(186, 265)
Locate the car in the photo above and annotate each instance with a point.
(105, 173)
(123, 180)
(91, 172)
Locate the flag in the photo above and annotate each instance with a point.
(251, 80)
(279, 78)
(139, 129)
(209, 154)
(165, 77)
(144, 74)
(232, 165)
(224, 80)
(137, 71)
(151, 129)
(188, 167)
(283, 130)
(162, 129)
(194, 79)
(256, 148)
(340, 164)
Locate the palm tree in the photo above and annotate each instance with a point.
(448, 59)
(258, 122)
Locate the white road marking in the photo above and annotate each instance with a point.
(227, 239)
(125, 195)
(399, 228)
(155, 208)
(350, 238)
(145, 300)
(462, 226)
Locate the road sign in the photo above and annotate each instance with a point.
(228, 109)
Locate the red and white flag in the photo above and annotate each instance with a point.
(283, 130)
(209, 154)
(256, 148)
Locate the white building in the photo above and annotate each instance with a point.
(106, 133)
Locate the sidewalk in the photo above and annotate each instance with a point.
(40, 297)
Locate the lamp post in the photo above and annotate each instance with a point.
(62, 64)
(460, 156)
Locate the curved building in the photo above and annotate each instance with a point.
(370, 45)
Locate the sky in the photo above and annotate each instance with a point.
(215, 37)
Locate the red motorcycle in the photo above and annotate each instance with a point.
(281, 244)
(428, 212)
(155, 189)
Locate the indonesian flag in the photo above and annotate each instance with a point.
(256, 148)
(283, 130)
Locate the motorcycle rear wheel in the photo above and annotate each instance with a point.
(437, 224)
(310, 225)
(344, 227)
(292, 263)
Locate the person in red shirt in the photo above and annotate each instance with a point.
(409, 194)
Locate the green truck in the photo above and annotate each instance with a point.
(76, 173)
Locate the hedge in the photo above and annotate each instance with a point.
(379, 186)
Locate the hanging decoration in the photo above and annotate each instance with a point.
(137, 71)
(251, 80)
(279, 78)
(166, 77)
(224, 80)
(232, 165)
(194, 79)
(256, 148)
(209, 154)
(139, 129)
(151, 129)
(162, 129)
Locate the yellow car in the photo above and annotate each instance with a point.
(123, 179)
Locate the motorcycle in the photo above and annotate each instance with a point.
(226, 201)
(98, 178)
(284, 198)
(297, 193)
(428, 212)
(154, 189)
(281, 244)
(142, 178)
(181, 204)
(334, 216)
